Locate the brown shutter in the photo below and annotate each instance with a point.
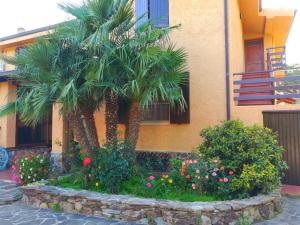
(123, 110)
(178, 116)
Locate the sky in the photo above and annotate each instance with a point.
(31, 14)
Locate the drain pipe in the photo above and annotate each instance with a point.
(228, 111)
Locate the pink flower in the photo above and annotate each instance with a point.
(222, 168)
(149, 184)
(90, 175)
(193, 186)
(221, 180)
(230, 172)
(34, 175)
(215, 161)
(216, 169)
(14, 168)
(214, 174)
(206, 177)
(226, 180)
(195, 161)
(151, 177)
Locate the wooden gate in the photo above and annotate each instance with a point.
(287, 125)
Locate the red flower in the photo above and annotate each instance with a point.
(45, 171)
(221, 180)
(187, 177)
(87, 161)
(230, 172)
(222, 168)
(182, 168)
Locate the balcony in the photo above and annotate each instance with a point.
(277, 85)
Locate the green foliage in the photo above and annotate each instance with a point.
(244, 220)
(31, 168)
(113, 166)
(56, 207)
(251, 152)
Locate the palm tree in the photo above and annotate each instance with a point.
(155, 71)
(52, 71)
(108, 23)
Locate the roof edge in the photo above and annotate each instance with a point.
(25, 33)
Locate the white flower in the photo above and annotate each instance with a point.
(29, 177)
(30, 169)
(33, 179)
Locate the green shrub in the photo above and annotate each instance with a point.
(251, 152)
(31, 168)
(113, 166)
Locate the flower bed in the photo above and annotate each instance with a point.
(128, 208)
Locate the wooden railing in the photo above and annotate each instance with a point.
(276, 58)
(250, 90)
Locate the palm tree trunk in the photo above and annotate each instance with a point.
(133, 126)
(111, 118)
(79, 132)
(90, 127)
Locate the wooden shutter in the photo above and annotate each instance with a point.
(123, 110)
(159, 12)
(178, 116)
(141, 8)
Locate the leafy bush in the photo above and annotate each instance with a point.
(31, 168)
(193, 176)
(113, 166)
(252, 152)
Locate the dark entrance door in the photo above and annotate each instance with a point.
(40, 135)
(254, 55)
(255, 69)
(287, 125)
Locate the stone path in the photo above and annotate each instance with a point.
(9, 192)
(12, 212)
(290, 215)
(17, 214)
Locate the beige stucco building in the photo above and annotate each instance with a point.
(221, 37)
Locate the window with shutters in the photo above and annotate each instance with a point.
(155, 10)
(2, 66)
(159, 111)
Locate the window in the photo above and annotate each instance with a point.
(2, 66)
(155, 10)
(159, 111)
(19, 50)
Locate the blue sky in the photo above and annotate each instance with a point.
(32, 14)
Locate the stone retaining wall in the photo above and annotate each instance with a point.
(141, 210)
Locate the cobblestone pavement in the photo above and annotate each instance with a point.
(9, 192)
(290, 215)
(18, 214)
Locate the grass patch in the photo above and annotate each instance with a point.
(136, 188)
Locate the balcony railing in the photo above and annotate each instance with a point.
(276, 58)
(263, 88)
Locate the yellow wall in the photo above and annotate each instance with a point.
(7, 123)
(202, 36)
(236, 43)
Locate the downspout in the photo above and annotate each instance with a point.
(228, 111)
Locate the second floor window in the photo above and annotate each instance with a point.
(155, 10)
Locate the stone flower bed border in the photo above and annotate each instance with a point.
(131, 208)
